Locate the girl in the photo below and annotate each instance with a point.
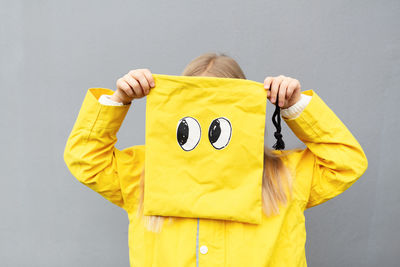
(293, 180)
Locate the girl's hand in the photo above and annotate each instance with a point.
(134, 84)
(288, 90)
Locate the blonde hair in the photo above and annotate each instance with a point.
(277, 177)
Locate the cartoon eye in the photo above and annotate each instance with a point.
(220, 132)
(188, 133)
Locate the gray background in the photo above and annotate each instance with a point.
(53, 51)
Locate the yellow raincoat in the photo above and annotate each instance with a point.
(331, 162)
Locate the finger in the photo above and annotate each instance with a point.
(125, 87)
(291, 87)
(267, 82)
(274, 88)
(282, 92)
(149, 77)
(130, 80)
(137, 88)
(139, 76)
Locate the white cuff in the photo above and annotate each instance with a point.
(105, 100)
(295, 110)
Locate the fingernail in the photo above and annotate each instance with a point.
(152, 84)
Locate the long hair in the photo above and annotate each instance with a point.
(277, 177)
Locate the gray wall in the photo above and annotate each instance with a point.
(53, 51)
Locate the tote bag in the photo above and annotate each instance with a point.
(204, 147)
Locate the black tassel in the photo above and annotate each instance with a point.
(276, 119)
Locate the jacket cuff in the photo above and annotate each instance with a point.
(314, 120)
(94, 115)
(105, 100)
(295, 110)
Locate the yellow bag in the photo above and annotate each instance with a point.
(204, 148)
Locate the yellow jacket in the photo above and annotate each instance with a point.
(331, 162)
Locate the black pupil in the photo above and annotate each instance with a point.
(215, 131)
(183, 132)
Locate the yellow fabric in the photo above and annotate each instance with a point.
(205, 182)
(331, 162)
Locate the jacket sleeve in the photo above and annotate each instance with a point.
(90, 153)
(332, 160)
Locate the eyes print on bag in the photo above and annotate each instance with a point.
(220, 132)
(188, 133)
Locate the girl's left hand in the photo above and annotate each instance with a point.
(288, 90)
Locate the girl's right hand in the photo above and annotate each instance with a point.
(134, 84)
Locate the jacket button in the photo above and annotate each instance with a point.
(203, 249)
